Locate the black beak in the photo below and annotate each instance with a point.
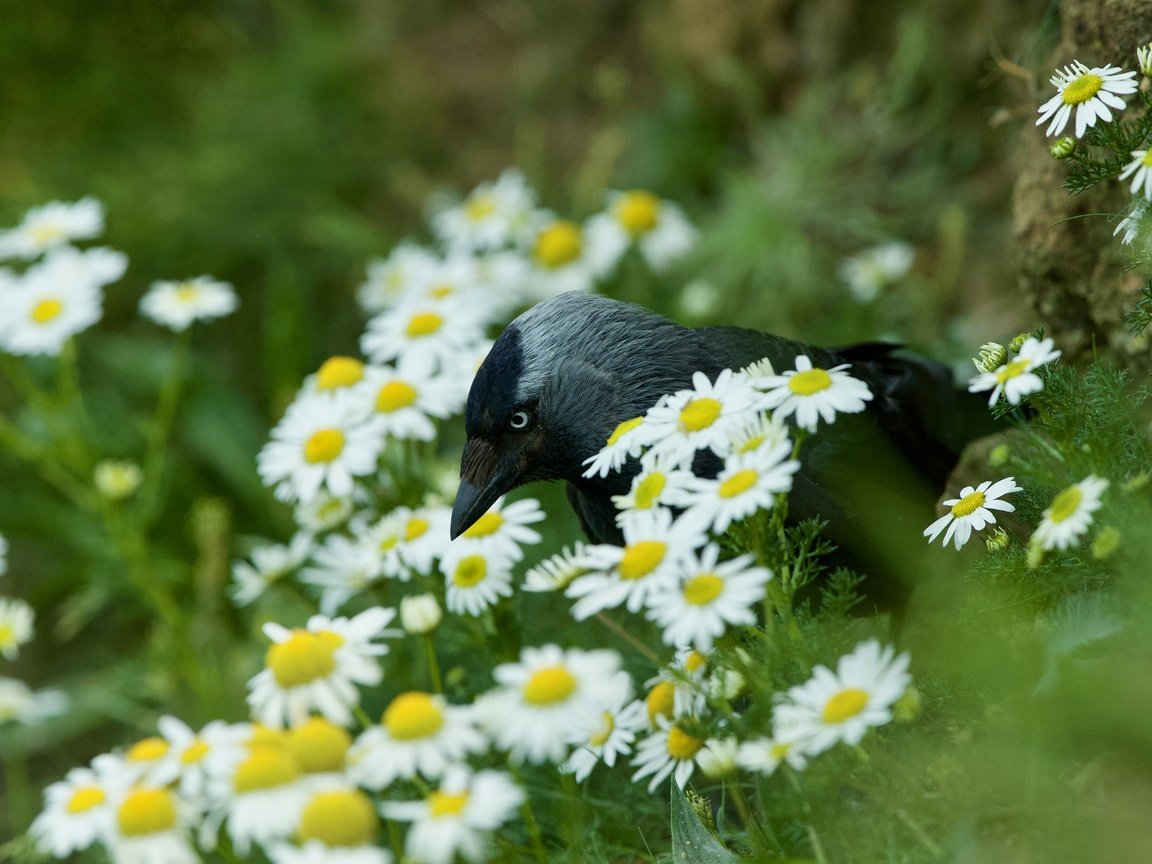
(483, 479)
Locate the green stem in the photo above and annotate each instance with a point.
(161, 427)
(72, 402)
(530, 817)
(19, 794)
(433, 663)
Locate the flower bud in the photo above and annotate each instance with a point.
(1018, 342)
(1106, 543)
(999, 455)
(908, 706)
(117, 480)
(1035, 554)
(991, 357)
(718, 757)
(1062, 148)
(1144, 60)
(420, 614)
(998, 541)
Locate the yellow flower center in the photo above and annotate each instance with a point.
(7, 635)
(194, 752)
(695, 661)
(751, 444)
(343, 817)
(1146, 159)
(480, 206)
(605, 731)
(1082, 89)
(738, 483)
(1011, 370)
(699, 414)
(558, 244)
(265, 736)
(445, 804)
(648, 490)
(845, 705)
(660, 701)
(641, 558)
(265, 768)
(439, 292)
(46, 310)
(45, 233)
(638, 211)
(302, 657)
(780, 750)
(969, 504)
(470, 571)
(146, 811)
(549, 685)
(487, 524)
(319, 745)
(1065, 504)
(147, 750)
(424, 324)
(681, 745)
(324, 445)
(395, 395)
(85, 798)
(337, 372)
(623, 428)
(809, 382)
(415, 528)
(412, 716)
(703, 589)
(187, 292)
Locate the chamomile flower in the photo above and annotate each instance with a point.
(16, 628)
(178, 304)
(670, 751)
(654, 549)
(321, 750)
(342, 568)
(1092, 93)
(189, 753)
(749, 482)
(316, 668)
(1130, 224)
(50, 226)
(500, 532)
(266, 566)
(19, 703)
(638, 218)
(419, 733)
(425, 530)
(77, 813)
(391, 280)
(764, 431)
(627, 441)
(151, 826)
(475, 582)
(440, 329)
(404, 398)
(660, 483)
(709, 597)
(557, 571)
(868, 273)
(843, 705)
(704, 417)
(765, 755)
(972, 511)
(549, 700)
(1017, 378)
(264, 795)
(1140, 170)
(338, 825)
(420, 614)
(457, 818)
(338, 372)
(323, 512)
(321, 443)
(813, 393)
(1069, 516)
(493, 215)
(620, 720)
(563, 260)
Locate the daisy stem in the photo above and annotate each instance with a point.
(72, 399)
(161, 427)
(733, 784)
(19, 793)
(362, 717)
(628, 637)
(433, 663)
(529, 816)
(395, 840)
(55, 475)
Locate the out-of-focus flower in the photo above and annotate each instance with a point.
(117, 479)
(493, 215)
(1069, 516)
(16, 619)
(420, 614)
(1140, 170)
(177, 304)
(657, 228)
(19, 703)
(873, 270)
(267, 565)
(52, 225)
(1017, 378)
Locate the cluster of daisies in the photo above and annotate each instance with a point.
(59, 292)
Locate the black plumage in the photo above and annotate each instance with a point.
(565, 373)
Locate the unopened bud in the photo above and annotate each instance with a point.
(1136, 482)
(908, 706)
(1106, 543)
(725, 684)
(1062, 148)
(1018, 342)
(999, 455)
(1144, 59)
(1035, 555)
(718, 757)
(999, 541)
(117, 480)
(420, 614)
(992, 356)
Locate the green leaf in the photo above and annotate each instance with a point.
(692, 843)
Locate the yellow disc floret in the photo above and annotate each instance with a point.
(85, 798)
(395, 395)
(624, 428)
(648, 490)
(1065, 504)
(442, 804)
(470, 571)
(638, 211)
(699, 414)
(1082, 89)
(738, 483)
(969, 504)
(549, 685)
(303, 657)
(412, 716)
(487, 524)
(146, 811)
(342, 817)
(703, 589)
(47, 310)
(337, 372)
(641, 558)
(845, 705)
(809, 382)
(424, 324)
(660, 701)
(319, 745)
(265, 768)
(147, 750)
(323, 445)
(558, 244)
(681, 745)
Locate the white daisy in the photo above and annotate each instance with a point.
(1016, 379)
(16, 627)
(1140, 169)
(404, 397)
(77, 813)
(549, 700)
(177, 304)
(317, 667)
(765, 755)
(315, 852)
(267, 565)
(338, 825)
(670, 751)
(868, 273)
(1130, 224)
(749, 482)
(843, 705)
(425, 533)
(814, 394)
(476, 582)
(342, 568)
(627, 441)
(660, 483)
(322, 442)
(457, 818)
(1091, 92)
(50, 226)
(321, 749)
(493, 215)
(620, 720)
(151, 826)
(323, 512)
(557, 571)
(390, 280)
(563, 259)
(705, 417)
(263, 796)
(654, 550)
(972, 511)
(117, 479)
(336, 373)
(764, 431)
(420, 733)
(709, 597)
(500, 532)
(188, 753)
(441, 329)
(657, 228)
(1069, 516)
(19, 703)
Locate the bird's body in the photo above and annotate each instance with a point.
(565, 373)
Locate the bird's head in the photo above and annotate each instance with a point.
(556, 383)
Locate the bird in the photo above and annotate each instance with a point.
(564, 374)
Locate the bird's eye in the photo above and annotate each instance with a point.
(519, 420)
